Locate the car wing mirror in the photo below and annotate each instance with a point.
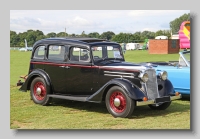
(176, 64)
(179, 66)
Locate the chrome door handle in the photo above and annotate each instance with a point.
(67, 67)
(62, 66)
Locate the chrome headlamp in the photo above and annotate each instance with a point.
(144, 77)
(163, 75)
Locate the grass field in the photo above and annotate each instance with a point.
(64, 114)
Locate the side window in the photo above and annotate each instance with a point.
(79, 54)
(97, 52)
(39, 53)
(56, 52)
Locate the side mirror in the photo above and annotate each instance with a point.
(178, 66)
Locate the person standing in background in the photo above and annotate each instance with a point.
(124, 47)
(147, 45)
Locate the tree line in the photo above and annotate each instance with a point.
(17, 40)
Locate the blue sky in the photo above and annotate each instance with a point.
(77, 21)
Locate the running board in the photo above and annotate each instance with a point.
(76, 98)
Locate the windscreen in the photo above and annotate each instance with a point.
(107, 52)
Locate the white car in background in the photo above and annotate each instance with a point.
(108, 48)
(23, 49)
(29, 48)
(161, 37)
(99, 48)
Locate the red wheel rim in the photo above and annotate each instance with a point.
(39, 91)
(119, 98)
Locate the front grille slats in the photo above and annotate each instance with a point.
(151, 84)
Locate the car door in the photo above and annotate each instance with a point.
(55, 67)
(180, 78)
(38, 58)
(79, 71)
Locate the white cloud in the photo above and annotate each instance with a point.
(150, 29)
(76, 21)
(155, 12)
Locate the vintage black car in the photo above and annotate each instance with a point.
(94, 70)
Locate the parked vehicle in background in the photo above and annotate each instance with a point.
(132, 46)
(94, 76)
(22, 49)
(143, 47)
(161, 37)
(178, 72)
(29, 48)
(109, 48)
(99, 48)
(26, 48)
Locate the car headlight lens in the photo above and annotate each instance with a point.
(163, 75)
(144, 77)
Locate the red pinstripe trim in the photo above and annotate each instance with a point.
(120, 69)
(72, 65)
(82, 66)
(48, 63)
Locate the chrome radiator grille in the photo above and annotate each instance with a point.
(151, 84)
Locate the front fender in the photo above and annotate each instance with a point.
(169, 89)
(36, 73)
(132, 90)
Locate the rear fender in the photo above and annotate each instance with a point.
(132, 90)
(36, 73)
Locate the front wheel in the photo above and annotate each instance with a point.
(118, 103)
(162, 106)
(39, 91)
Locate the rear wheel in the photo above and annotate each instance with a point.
(118, 103)
(39, 91)
(162, 106)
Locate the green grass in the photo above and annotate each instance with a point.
(144, 56)
(65, 114)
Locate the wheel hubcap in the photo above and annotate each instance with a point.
(117, 102)
(39, 91)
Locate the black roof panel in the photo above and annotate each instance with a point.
(88, 40)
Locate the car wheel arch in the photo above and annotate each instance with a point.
(129, 88)
(110, 86)
(124, 84)
(41, 74)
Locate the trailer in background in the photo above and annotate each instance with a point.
(132, 46)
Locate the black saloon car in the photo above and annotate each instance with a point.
(94, 70)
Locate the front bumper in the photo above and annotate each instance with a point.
(158, 100)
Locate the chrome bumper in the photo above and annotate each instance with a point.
(142, 103)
